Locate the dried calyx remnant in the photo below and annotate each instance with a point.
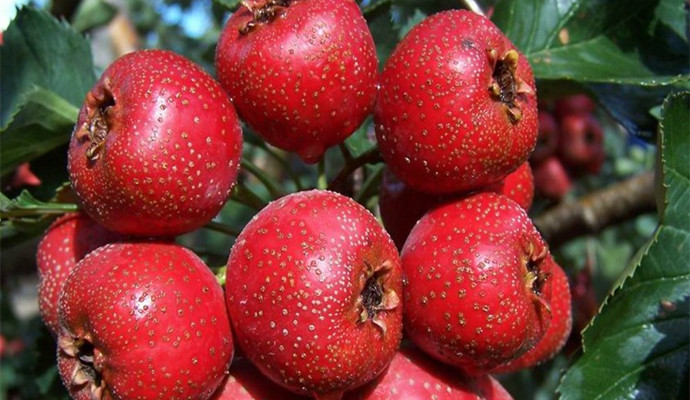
(263, 12)
(534, 263)
(96, 127)
(505, 86)
(85, 371)
(376, 297)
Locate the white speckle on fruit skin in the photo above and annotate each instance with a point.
(303, 327)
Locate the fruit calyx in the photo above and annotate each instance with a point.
(536, 275)
(376, 296)
(97, 125)
(263, 12)
(87, 366)
(505, 86)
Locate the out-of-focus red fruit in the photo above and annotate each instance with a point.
(23, 176)
(143, 320)
(69, 239)
(313, 285)
(585, 305)
(245, 382)
(579, 104)
(457, 107)
(414, 376)
(477, 291)
(559, 329)
(302, 74)
(547, 142)
(551, 180)
(581, 144)
(157, 146)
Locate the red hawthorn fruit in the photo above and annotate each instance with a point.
(401, 206)
(313, 285)
(559, 329)
(23, 176)
(457, 107)
(10, 348)
(477, 291)
(157, 146)
(517, 186)
(302, 74)
(579, 104)
(547, 142)
(551, 180)
(412, 375)
(143, 321)
(65, 243)
(585, 305)
(581, 144)
(245, 382)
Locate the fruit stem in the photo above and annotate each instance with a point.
(371, 156)
(243, 195)
(273, 187)
(43, 209)
(321, 180)
(370, 186)
(347, 156)
(283, 163)
(222, 228)
(473, 6)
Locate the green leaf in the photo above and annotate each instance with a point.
(27, 202)
(91, 14)
(44, 122)
(360, 142)
(228, 4)
(639, 345)
(672, 13)
(39, 50)
(605, 41)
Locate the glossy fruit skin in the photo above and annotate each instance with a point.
(156, 148)
(559, 329)
(414, 376)
(440, 125)
(305, 80)
(476, 289)
(245, 382)
(401, 206)
(551, 180)
(581, 144)
(152, 317)
(299, 279)
(547, 142)
(68, 239)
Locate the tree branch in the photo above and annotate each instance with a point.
(598, 210)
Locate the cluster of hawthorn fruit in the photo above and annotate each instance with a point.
(318, 301)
